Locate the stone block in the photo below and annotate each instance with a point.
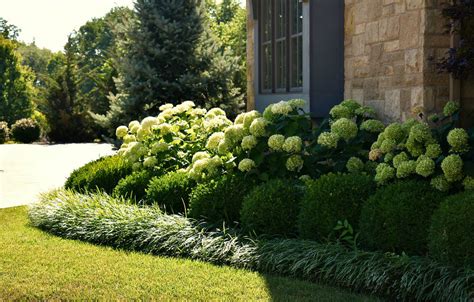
(410, 30)
(390, 28)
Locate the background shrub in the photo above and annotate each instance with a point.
(451, 238)
(332, 198)
(220, 200)
(134, 185)
(171, 191)
(4, 131)
(26, 131)
(102, 174)
(272, 208)
(397, 217)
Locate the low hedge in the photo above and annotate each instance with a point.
(333, 198)
(102, 174)
(104, 220)
(451, 238)
(25, 131)
(134, 185)
(171, 191)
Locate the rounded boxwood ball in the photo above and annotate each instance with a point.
(272, 208)
(398, 216)
(134, 185)
(451, 238)
(171, 191)
(220, 200)
(332, 198)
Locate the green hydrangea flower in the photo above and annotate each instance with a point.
(452, 168)
(433, 150)
(214, 140)
(121, 131)
(340, 111)
(421, 133)
(293, 144)
(415, 148)
(450, 108)
(388, 145)
(249, 117)
(425, 167)
(200, 155)
(305, 178)
(276, 141)
(328, 140)
(458, 139)
(394, 132)
(384, 173)
(294, 163)
(406, 168)
(258, 127)
(297, 103)
(137, 166)
(399, 158)
(282, 108)
(150, 162)
(375, 145)
(249, 142)
(366, 111)
(388, 157)
(246, 165)
(352, 105)
(468, 183)
(372, 126)
(440, 183)
(354, 165)
(234, 134)
(408, 124)
(434, 118)
(268, 114)
(345, 128)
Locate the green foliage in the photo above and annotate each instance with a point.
(219, 200)
(15, 85)
(451, 239)
(332, 198)
(134, 186)
(188, 65)
(4, 132)
(102, 174)
(103, 220)
(26, 131)
(8, 31)
(171, 191)
(397, 217)
(272, 208)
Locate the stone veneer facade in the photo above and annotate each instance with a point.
(388, 49)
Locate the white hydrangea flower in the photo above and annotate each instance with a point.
(149, 122)
(189, 104)
(133, 124)
(200, 155)
(223, 147)
(294, 163)
(249, 142)
(276, 141)
(297, 103)
(239, 119)
(234, 133)
(159, 147)
(258, 127)
(293, 144)
(198, 112)
(121, 131)
(283, 108)
(142, 133)
(129, 138)
(214, 140)
(165, 128)
(135, 128)
(215, 112)
(150, 162)
(246, 165)
(250, 117)
(166, 107)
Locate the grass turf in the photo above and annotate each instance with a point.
(35, 265)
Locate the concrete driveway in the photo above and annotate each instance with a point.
(28, 170)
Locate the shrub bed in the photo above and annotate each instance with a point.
(104, 220)
(272, 208)
(451, 238)
(171, 191)
(397, 217)
(102, 174)
(332, 198)
(134, 185)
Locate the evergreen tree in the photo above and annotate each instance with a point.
(16, 88)
(171, 56)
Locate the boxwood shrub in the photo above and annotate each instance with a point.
(332, 198)
(102, 174)
(398, 216)
(4, 131)
(272, 208)
(171, 191)
(451, 238)
(26, 131)
(221, 199)
(134, 185)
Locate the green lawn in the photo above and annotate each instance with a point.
(35, 265)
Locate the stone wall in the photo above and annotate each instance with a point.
(388, 49)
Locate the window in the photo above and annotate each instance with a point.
(281, 46)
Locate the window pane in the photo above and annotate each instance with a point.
(280, 18)
(266, 20)
(297, 61)
(281, 64)
(267, 66)
(296, 16)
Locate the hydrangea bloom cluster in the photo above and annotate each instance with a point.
(458, 139)
(328, 140)
(345, 128)
(354, 165)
